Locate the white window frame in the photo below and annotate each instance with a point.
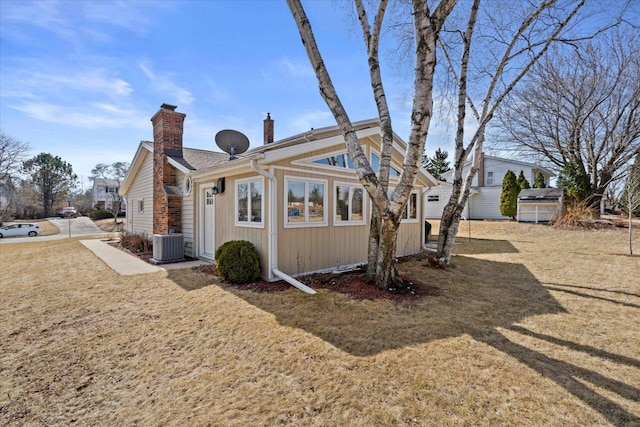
(433, 198)
(306, 222)
(249, 223)
(391, 177)
(405, 214)
(487, 184)
(352, 186)
(141, 206)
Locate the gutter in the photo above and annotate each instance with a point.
(273, 237)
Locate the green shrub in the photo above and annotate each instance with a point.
(100, 214)
(237, 261)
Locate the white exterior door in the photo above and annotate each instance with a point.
(207, 226)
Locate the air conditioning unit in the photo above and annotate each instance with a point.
(168, 248)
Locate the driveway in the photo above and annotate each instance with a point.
(81, 226)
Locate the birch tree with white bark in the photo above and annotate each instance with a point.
(387, 210)
(488, 57)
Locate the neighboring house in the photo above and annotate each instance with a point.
(298, 200)
(540, 204)
(105, 193)
(486, 187)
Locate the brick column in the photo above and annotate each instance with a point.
(167, 135)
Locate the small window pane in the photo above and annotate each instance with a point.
(256, 201)
(413, 206)
(316, 202)
(243, 202)
(357, 204)
(295, 202)
(375, 162)
(342, 203)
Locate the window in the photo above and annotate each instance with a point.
(349, 206)
(489, 178)
(249, 204)
(305, 202)
(433, 198)
(112, 190)
(140, 206)
(410, 213)
(342, 160)
(375, 165)
(411, 210)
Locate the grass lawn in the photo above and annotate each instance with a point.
(533, 326)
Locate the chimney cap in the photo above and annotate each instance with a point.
(170, 107)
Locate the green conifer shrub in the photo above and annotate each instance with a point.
(237, 261)
(509, 195)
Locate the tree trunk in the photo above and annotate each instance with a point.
(374, 245)
(386, 266)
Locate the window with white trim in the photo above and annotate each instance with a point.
(249, 202)
(349, 204)
(140, 206)
(410, 213)
(433, 198)
(305, 202)
(375, 165)
(489, 178)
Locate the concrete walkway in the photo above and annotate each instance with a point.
(127, 265)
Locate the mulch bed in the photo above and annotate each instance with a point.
(352, 283)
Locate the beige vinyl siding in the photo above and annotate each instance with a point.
(141, 189)
(187, 216)
(226, 229)
(307, 249)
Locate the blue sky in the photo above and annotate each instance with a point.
(81, 79)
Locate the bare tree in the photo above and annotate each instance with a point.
(494, 50)
(580, 109)
(12, 154)
(631, 195)
(112, 176)
(387, 210)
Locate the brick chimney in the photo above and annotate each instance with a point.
(167, 140)
(268, 129)
(480, 173)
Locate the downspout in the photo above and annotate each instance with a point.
(272, 229)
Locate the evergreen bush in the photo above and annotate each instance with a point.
(539, 180)
(237, 261)
(509, 195)
(99, 214)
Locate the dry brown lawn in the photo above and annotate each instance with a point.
(533, 326)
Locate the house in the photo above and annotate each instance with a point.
(540, 204)
(486, 187)
(105, 193)
(298, 200)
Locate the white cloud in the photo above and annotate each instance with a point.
(90, 116)
(307, 120)
(162, 82)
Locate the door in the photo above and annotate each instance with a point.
(208, 223)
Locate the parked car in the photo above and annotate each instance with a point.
(27, 229)
(68, 212)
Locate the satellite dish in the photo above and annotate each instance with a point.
(232, 142)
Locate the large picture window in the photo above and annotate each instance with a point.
(305, 202)
(249, 202)
(349, 204)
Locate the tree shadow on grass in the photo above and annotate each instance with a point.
(483, 246)
(477, 298)
(566, 375)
